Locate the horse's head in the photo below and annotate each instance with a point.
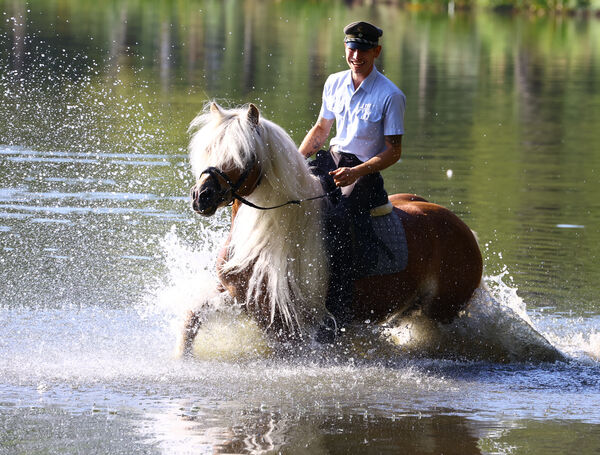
(224, 152)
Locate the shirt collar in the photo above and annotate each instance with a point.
(367, 84)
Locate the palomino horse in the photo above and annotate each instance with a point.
(274, 261)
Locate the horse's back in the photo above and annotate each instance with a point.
(400, 198)
(444, 261)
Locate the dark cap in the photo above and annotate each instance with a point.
(362, 35)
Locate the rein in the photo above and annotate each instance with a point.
(291, 201)
(234, 187)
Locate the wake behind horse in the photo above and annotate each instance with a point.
(274, 261)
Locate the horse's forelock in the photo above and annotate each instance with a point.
(223, 138)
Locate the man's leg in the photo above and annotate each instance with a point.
(348, 231)
(341, 270)
(368, 194)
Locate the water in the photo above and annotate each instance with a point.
(101, 253)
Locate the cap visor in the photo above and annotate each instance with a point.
(359, 46)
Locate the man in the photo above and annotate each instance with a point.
(368, 110)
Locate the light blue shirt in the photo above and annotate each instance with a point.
(365, 115)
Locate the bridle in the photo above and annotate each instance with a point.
(233, 187)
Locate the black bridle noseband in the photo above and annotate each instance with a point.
(213, 172)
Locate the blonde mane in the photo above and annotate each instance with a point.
(284, 247)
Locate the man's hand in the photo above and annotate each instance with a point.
(344, 176)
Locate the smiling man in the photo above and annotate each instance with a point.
(368, 110)
(367, 107)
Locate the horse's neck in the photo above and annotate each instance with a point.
(293, 230)
(284, 250)
(293, 233)
(234, 210)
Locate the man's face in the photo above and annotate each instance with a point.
(361, 62)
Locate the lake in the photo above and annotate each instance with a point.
(101, 252)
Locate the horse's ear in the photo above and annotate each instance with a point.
(215, 109)
(253, 114)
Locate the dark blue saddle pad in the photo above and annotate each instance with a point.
(390, 248)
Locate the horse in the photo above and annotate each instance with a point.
(274, 261)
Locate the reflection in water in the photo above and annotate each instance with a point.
(165, 54)
(19, 21)
(249, 57)
(187, 428)
(117, 38)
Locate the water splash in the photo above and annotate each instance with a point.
(190, 269)
(191, 285)
(578, 337)
(494, 326)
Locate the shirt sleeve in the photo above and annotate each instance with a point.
(326, 112)
(394, 115)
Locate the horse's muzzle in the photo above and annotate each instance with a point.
(206, 199)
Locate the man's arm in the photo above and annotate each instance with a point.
(316, 137)
(344, 176)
